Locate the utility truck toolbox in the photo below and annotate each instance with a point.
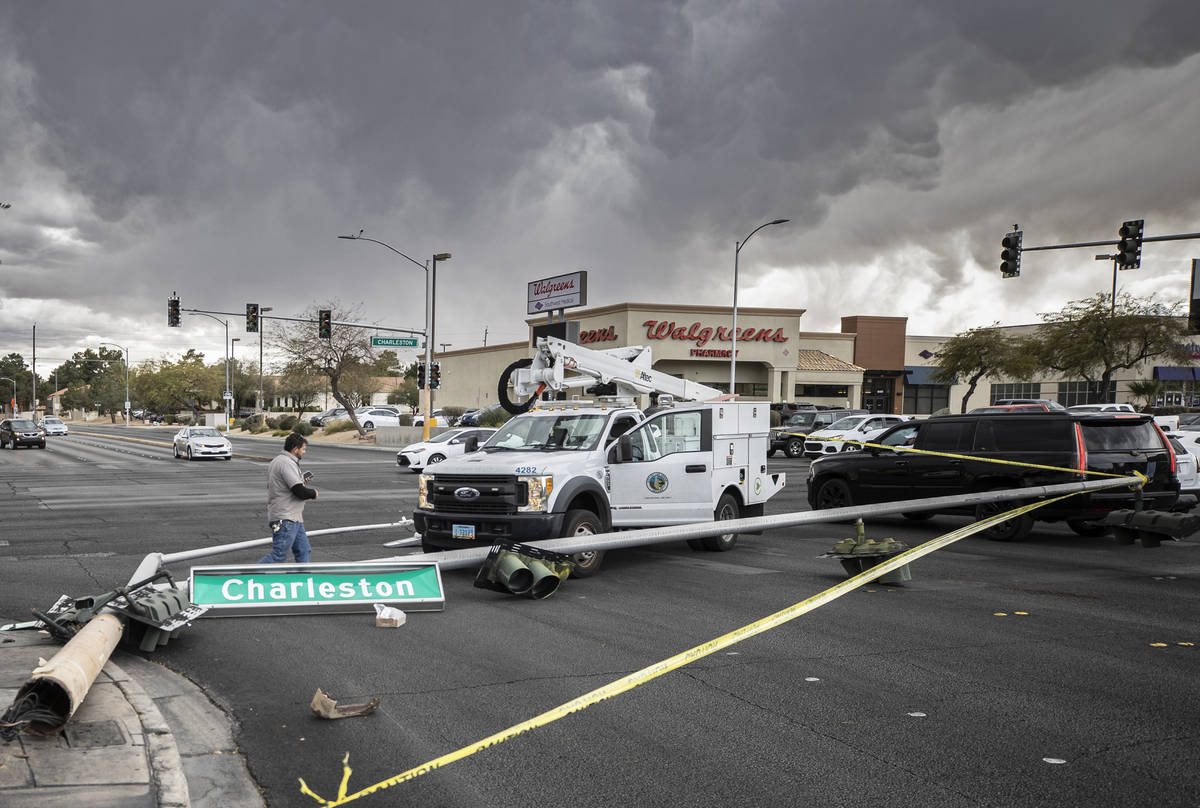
(574, 468)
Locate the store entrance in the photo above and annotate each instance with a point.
(877, 394)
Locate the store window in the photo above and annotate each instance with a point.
(1019, 390)
(925, 399)
(1072, 393)
(751, 389)
(804, 391)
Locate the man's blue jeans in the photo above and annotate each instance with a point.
(286, 536)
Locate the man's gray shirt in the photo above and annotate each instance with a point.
(282, 474)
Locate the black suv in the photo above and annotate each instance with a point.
(1107, 442)
(791, 434)
(21, 432)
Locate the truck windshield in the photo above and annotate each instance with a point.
(549, 432)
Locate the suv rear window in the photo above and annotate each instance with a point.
(1121, 436)
(1022, 435)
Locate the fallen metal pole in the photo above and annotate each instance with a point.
(46, 702)
(473, 556)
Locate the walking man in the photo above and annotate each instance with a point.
(286, 495)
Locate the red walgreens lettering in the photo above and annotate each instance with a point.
(701, 334)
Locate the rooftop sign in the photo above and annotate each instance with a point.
(559, 292)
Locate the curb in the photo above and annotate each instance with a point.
(166, 766)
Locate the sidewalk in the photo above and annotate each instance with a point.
(144, 736)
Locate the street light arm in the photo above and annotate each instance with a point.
(361, 237)
(742, 243)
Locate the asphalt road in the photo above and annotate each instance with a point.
(1060, 671)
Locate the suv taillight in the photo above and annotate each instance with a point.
(1167, 443)
(1080, 449)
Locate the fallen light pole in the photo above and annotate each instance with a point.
(472, 556)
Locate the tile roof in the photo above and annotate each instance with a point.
(812, 359)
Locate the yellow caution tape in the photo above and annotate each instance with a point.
(679, 660)
(1143, 477)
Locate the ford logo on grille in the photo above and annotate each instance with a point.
(466, 493)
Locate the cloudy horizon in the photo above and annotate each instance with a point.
(217, 150)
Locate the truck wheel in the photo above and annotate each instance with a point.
(794, 448)
(833, 493)
(1015, 529)
(583, 523)
(727, 508)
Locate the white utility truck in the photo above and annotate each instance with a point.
(571, 468)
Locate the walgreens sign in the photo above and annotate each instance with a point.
(701, 334)
(559, 292)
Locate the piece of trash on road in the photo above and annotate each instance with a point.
(388, 616)
(325, 707)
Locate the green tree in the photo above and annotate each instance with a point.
(342, 358)
(387, 364)
(300, 385)
(978, 354)
(1147, 390)
(14, 367)
(1092, 339)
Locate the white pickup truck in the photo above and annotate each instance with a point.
(570, 469)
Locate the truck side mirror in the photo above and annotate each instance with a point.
(624, 449)
(470, 444)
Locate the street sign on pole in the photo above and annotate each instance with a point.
(227, 395)
(393, 342)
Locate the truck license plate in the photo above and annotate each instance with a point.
(463, 531)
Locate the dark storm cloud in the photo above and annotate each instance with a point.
(221, 145)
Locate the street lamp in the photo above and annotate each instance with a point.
(126, 350)
(14, 397)
(225, 345)
(430, 298)
(261, 329)
(733, 336)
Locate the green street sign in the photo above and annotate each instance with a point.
(393, 342)
(260, 589)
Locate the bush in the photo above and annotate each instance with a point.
(341, 425)
(453, 413)
(776, 418)
(494, 417)
(303, 428)
(288, 422)
(406, 420)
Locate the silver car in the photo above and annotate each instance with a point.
(53, 425)
(194, 442)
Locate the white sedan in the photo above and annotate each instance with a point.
(53, 425)
(448, 444)
(194, 442)
(862, 428)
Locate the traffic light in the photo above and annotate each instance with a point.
(1129, 248)
(173, 319)
(325, 324)
(251, 318)
(1010, 256)
(421, 376)
(435, 375)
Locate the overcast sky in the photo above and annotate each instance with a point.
(217, 149)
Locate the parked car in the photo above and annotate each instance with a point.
(194, 442)
(1113, 443)
(53, 425)
(152, 418)
(21, 432)
(419, 418)
(795, 430)
(473, 417)
(444, 445)
(1187, 465)
(328, 416)
(371, 417)
(1102, 408)
(1050, 405)
(1003, 408)
(833, 438)
(787, 409)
